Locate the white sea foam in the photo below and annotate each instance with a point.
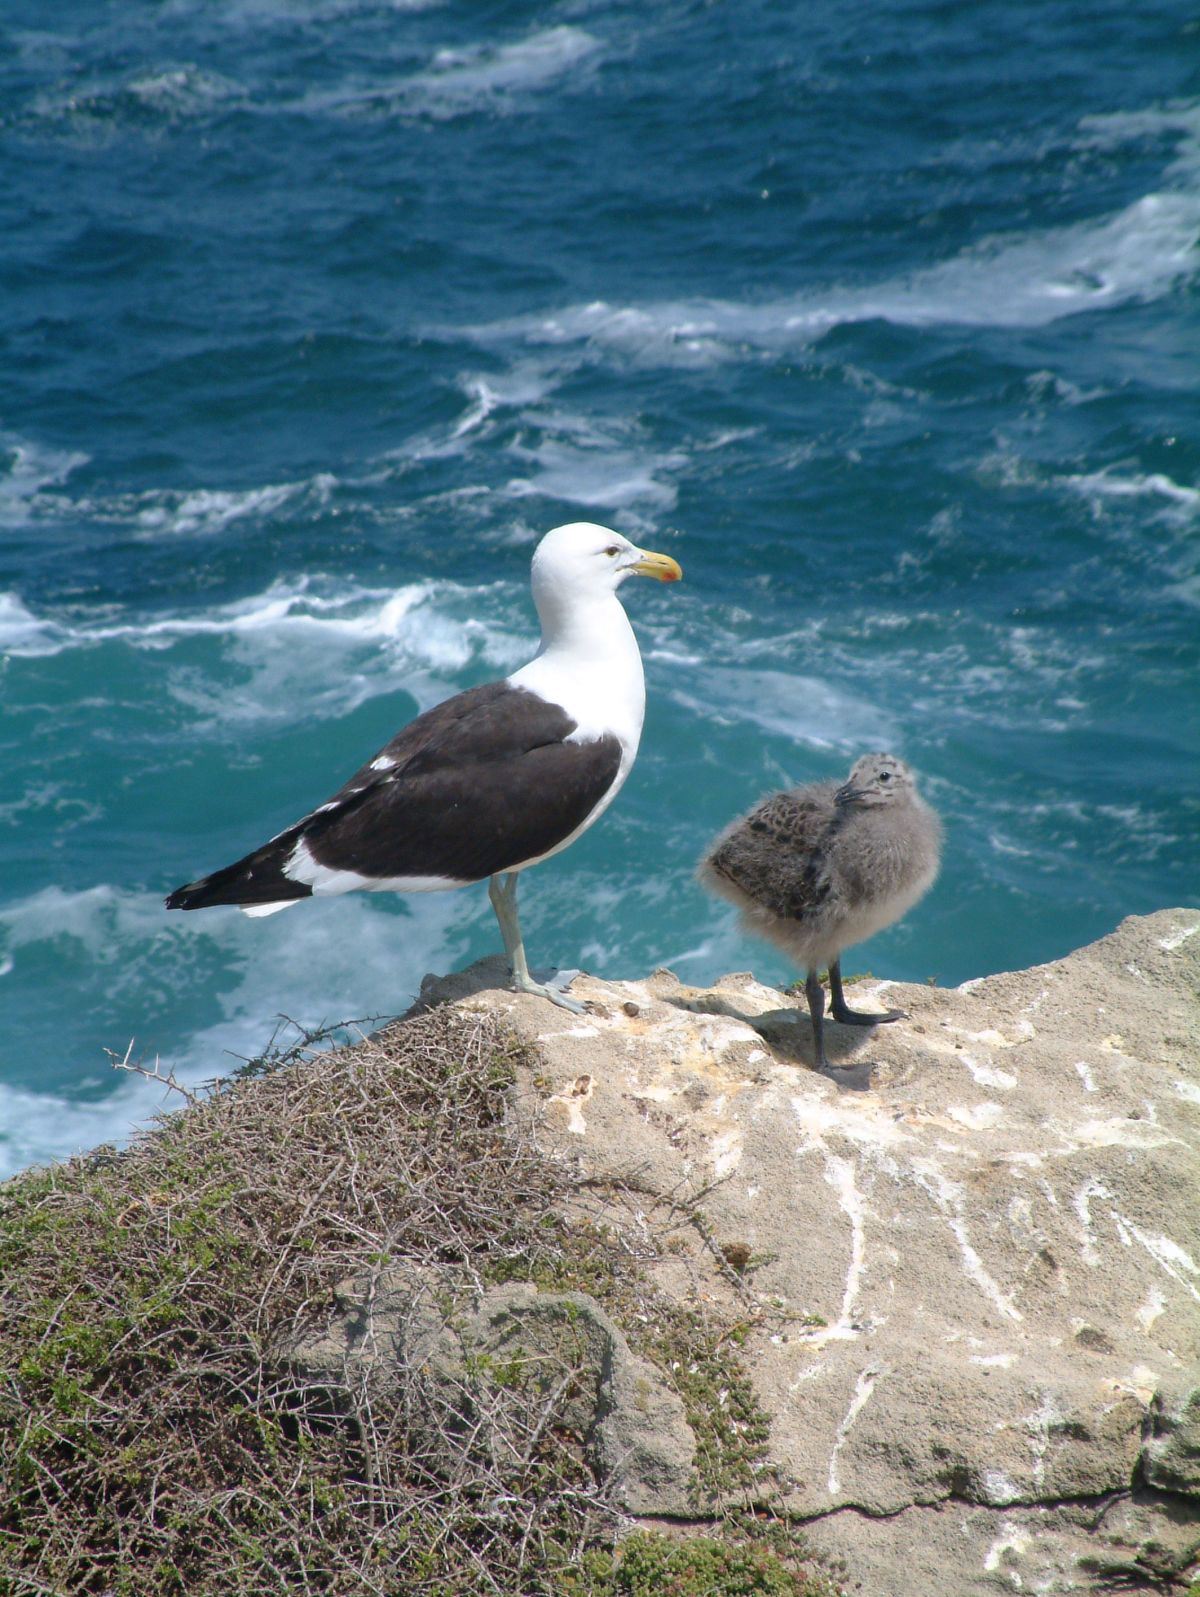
(718, 946)
(27, 469)
(493, 399)
(596, 463)
(612, 478)
(324, 963)
(30, 474)
(806, 709)
(181, 91)
(524, 384)
(1138, 255)
(304, 605)
(332, 653)
(1112, 129)
(254, 13)
(1098, 486)
(1135, 255)
(495, 77)
(41, 796)
(208, 511)
(310, 643)
(193, 512)
(23, 633)
(458, 80)
(1187, 590)
(170, 91)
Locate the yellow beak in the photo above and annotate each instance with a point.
(660, 566)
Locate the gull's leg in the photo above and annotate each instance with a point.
(502, 890)
(840, 1011)
(815, 994)
(855, 1078)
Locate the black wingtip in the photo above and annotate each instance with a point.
(246, 882)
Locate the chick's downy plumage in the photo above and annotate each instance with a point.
(819, 868)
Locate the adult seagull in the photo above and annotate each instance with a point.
(493, 780)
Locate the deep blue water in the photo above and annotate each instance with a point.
(315, 314)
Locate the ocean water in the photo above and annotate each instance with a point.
(314, 314)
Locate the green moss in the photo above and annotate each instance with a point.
(731, 1428)
(698, 1358)
(649, 1564)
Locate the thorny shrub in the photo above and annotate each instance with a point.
(152, 1441)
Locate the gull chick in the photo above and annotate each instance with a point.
(822, 867)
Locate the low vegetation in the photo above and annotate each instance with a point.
(153, 1441)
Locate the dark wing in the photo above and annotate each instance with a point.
(775, 854)
(478, 784)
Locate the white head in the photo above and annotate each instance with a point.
(582, 562)
(585, 557)
(877, 779)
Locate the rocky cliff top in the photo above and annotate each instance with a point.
(503, 1299)
(968, 1256)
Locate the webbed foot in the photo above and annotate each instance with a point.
(855, 1017)
(554, 988)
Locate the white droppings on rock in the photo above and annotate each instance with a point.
(984, 1116)
(948, 1195)
(1152, 1308)
(1083, 1208)
(1038, 1426)
(1022, 1158)
(726, 1152)
(1167, 1253)
(1117, 1132)
(573, 1100)
(859, 1120)
(990, 1038)
(1011, 1539)
(863, 1388)
(839, 1173)
(998, 1489)
(985, 1076)
(570, 1031)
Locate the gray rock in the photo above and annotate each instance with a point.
(407, 1342)
(1172, 1453)
(977, 1298)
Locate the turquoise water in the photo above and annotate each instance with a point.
(315, 314)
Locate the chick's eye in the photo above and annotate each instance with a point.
(885, 776)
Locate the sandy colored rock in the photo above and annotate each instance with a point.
(976, 1283)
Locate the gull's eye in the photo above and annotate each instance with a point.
(613, 549)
